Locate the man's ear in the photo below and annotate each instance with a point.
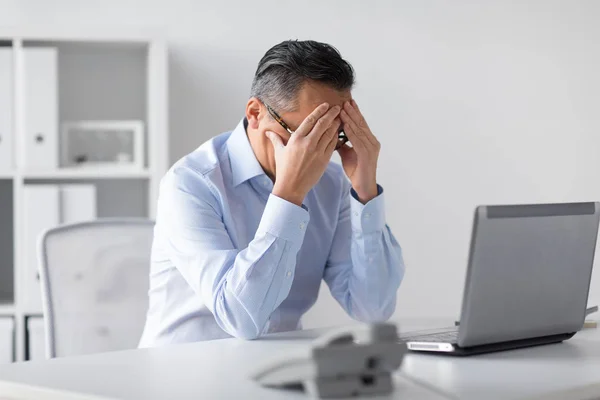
(254, 108)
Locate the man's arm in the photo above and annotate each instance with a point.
(241, 287)
(365, 265)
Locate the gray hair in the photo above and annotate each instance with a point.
(288, 65)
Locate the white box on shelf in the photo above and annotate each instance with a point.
(41, 107)
(41, 212)
(102, 144)
(77, 203)
(7, 334)
(6, 110)
(36, 339)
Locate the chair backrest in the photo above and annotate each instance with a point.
(94, 279)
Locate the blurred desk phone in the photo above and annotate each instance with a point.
(339, 364)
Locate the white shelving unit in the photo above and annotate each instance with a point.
(67, 173)
(102, 75)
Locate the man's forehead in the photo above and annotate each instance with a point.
(313, 94)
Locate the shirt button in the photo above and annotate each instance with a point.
(289, 273)
(266, 181)
(368, 215)
(356, 214)
(371, 259)
(302, 225)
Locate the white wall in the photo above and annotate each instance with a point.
(474, 102)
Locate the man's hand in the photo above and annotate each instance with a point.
(300, 164)
(360, 160)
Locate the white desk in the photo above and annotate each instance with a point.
(219, 370)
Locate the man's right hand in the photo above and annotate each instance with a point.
(300, 164)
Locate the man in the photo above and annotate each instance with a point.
(251, 222)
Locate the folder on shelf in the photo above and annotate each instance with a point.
(41, 206)
(41, 107)
(47, 206)
(7, 333)
(77, 203)
(6, 110)
(36, 342)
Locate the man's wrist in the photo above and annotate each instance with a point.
(289, 195)
(366, 194)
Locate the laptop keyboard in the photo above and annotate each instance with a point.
(450, 336)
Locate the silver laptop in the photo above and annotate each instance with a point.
(527, 280)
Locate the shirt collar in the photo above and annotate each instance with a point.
(244, 165)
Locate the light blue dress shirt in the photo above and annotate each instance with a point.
(231, 259)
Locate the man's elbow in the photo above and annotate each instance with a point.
(376, 314)
(246, 333)
(387, 312)
(239, 324)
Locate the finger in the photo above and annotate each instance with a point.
(345, 150)
(324, 123)
(309, 122)
(276, 140)
(360, 121)
(354, 114)
(332, 134)
(352, 131)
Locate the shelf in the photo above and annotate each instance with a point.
(88, 173)
(32, 313)
(7, 309)
(90, 34)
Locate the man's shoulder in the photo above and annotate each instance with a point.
(193, 172)
(206, 157)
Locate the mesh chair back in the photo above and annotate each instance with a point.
(94, 279)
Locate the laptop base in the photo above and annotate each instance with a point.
(494, 347)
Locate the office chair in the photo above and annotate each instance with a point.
(94, 279)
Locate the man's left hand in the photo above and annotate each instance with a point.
(360, 160)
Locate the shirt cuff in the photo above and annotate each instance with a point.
(370, 217)
(284, 219)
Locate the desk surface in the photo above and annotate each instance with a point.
(219, 369)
